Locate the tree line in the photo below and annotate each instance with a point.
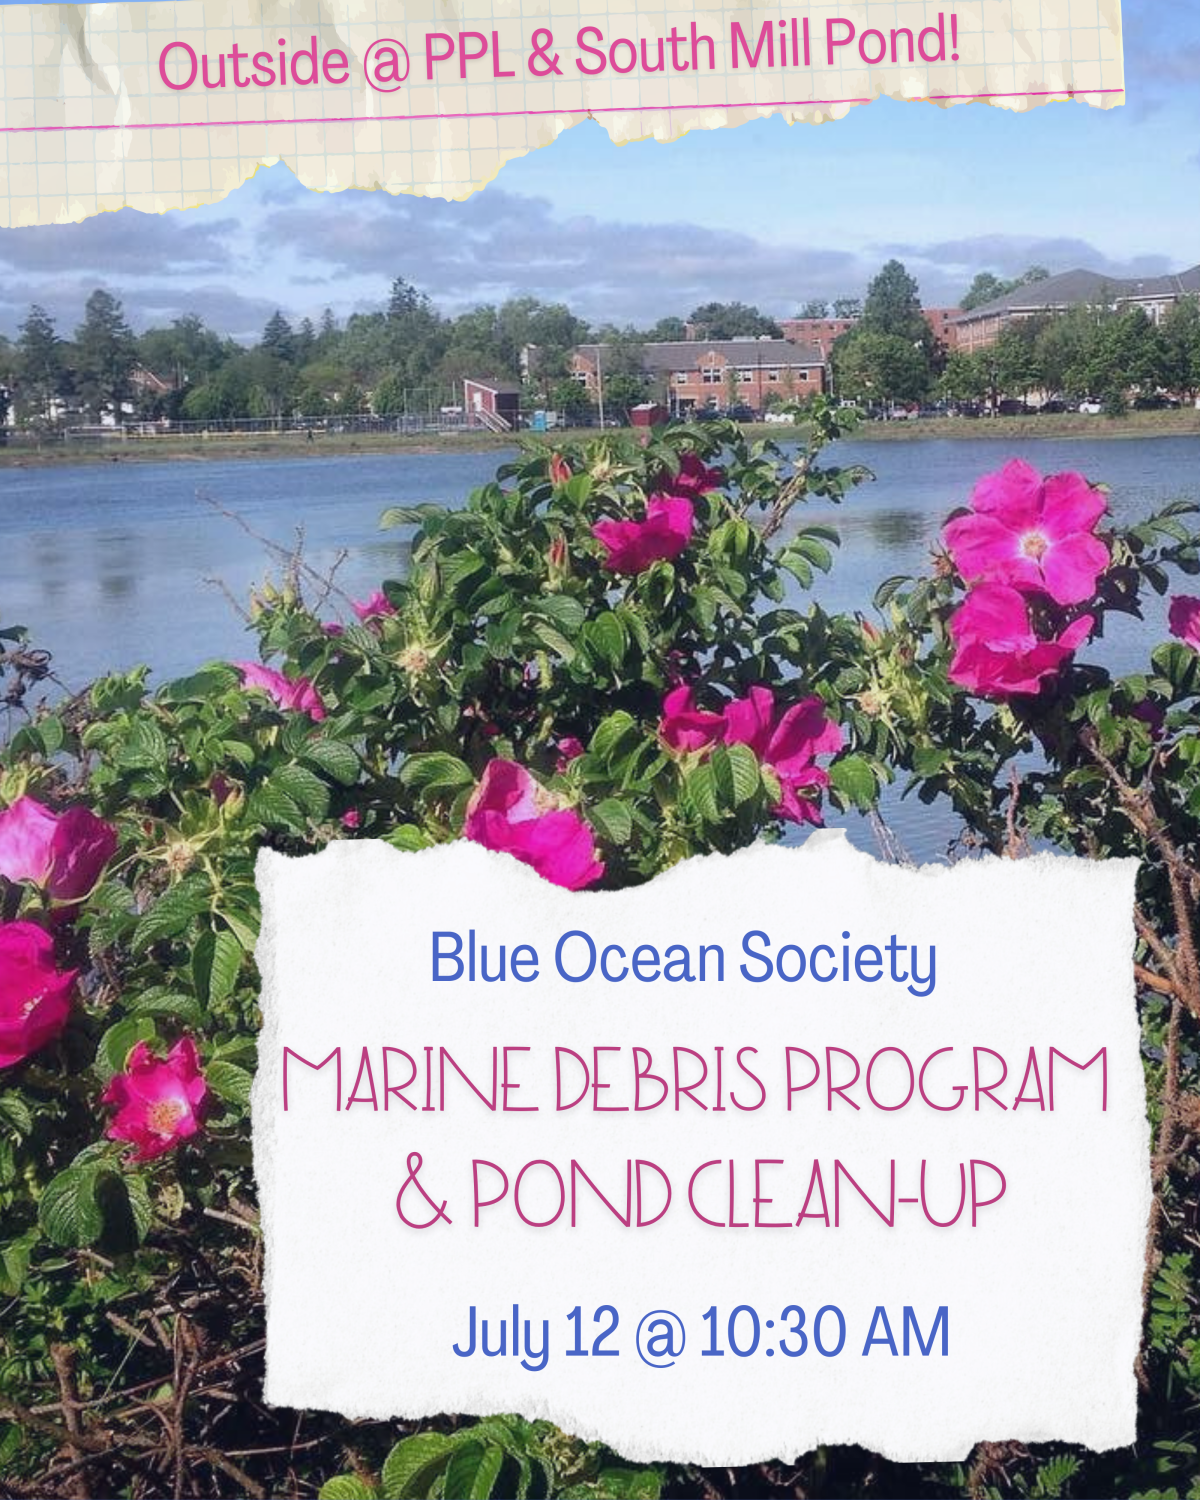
(1111, 354)
(408, 358)
(404, 357)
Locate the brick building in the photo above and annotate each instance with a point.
(1156, 295)
(691, 374)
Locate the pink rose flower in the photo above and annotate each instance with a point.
(1032, 533)
(376, 607)
(299, 696)
(159, 1103)
(695, 478)
(333, 628)
(684, 728)
(569, 748)
(788, 743)
(351, 819)
(35, 997)
(631, 546)
(1184, 620)
(64, 853)
(998, 654)
(512, 814)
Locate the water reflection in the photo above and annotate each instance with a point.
(139, 541)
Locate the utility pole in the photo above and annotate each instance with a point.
(600, 385)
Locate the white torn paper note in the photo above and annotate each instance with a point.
(176, 102)
(780, 1149)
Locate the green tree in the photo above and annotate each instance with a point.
(328, 331)
(272, 383)
(224, 396)
(893, 306)
(847, 307)
(387, 399)
(988, 287)
(621, 392)
(1015, 357)
(667, 331)
(279, 339)
(185, 354)
(965, 377)
(732, 320)
(1181, 348)
(880, 368)
(105, 354)
(41, 373)
(985, 288)
(572, 399)
(815, 307)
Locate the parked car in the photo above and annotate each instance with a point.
(1091, 408)
(706, 414)
(780, 418)
(741, 413)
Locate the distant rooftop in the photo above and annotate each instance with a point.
(1070, 288)
(686, 353)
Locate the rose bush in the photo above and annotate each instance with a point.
(604, 662)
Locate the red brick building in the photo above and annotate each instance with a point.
(820, 331)
(688, 375)
(825, 331)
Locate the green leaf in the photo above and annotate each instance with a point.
(629, 1484)
(435, 771)
(273, 808)
(413, 1464)
(68, 1211)
(409, 838)
(611, 735)
(335, 758)
(488, 1473)
(556, 641)
(229, 1082)
(304, 787)
(347, 1487)
(174, 910)
(216, 963)
(145, 746)
(700, 788)
(16, 1112)
(608, 638)
(200, 687)
(119, 1041)
(14, 1262)
(854, 779)
(466, 1476)
(612, 820)
(567, 613)
(745, 771)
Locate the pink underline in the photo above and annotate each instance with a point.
(505, 114)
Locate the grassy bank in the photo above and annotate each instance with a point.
(226, 446)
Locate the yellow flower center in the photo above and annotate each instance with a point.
(1034, 544)
(163, 1116)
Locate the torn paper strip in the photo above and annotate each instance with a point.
(780, 1149)
(167, 105)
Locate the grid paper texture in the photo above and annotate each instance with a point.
(93, 117)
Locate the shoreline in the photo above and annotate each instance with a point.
(1184, 422)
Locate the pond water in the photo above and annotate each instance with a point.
(114, 564)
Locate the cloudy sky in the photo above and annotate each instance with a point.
(765, 213)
